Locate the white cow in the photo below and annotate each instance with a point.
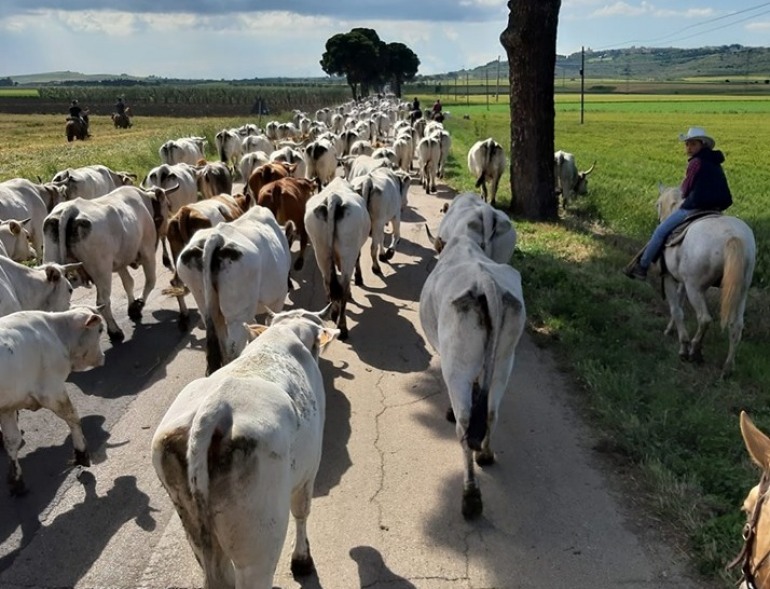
(428, 155)
(250, 162)
(39, 351)
(15, 241)
(256, 143)
(108, 234)
(321, 158)
(185, 150)
(404, 148)
(184, 179)
(569, 181)
(212, 179)
(44, 288)
(235, 271)
(472, 312)
(229, 146)
(385, 193)
(361, 165)
(338, 224)
(91, 181)
(290, 155)
(22, 199)
(490, 228)
(240, 449)
(486, 162)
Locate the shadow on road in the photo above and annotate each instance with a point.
(372, 570)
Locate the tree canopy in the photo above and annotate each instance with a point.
(367, 62)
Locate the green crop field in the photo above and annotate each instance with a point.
(671, 426)
(19, 92)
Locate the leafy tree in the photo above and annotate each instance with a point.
(530, 42)
(368, 62)
(402, 65)
(349, 54)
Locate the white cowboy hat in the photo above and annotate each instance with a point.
(698, 133)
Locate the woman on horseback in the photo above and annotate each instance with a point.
(704, 189)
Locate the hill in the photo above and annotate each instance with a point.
(650, 63)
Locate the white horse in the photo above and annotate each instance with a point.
(715, 251)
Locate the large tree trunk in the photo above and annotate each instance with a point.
(530, 42)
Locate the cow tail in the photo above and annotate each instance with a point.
(336, 290)
(213, 312)
(183, 222)
(211, 427)
(488, 225)
(66, 219)
(733, 279)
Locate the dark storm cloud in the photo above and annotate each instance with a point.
(422, 10)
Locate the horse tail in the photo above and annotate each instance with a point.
(733, 278)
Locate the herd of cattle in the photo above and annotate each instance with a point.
(331, 182)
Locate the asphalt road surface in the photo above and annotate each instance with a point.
(386, 511)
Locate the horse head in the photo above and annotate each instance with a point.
(669, 200)
(755, 554)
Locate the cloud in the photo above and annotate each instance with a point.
(649, 9)
(758, 26)
(424, 10)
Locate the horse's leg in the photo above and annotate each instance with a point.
(674, 299)
(698, 302)
(680, 293)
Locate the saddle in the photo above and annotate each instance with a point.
(677, 235)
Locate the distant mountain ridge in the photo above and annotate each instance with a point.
(638, 63)
(652, 63)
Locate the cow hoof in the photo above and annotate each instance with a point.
(450, 416)
(302, 567)
(376, 270)
(696, 356)
(485, 458)
(166, 262)
(135, 309)
(358, 281)
(299, 263)
(387, 256)
(17, 488)
(82, 458)
(472, 505)
(116, 336)
(343, 334)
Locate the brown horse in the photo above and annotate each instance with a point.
(754, 558)
(122, 121)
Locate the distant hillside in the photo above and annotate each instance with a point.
(69, 76)
(648, 63)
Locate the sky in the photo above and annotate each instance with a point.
(237, 39)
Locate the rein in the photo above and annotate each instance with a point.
(749, 539)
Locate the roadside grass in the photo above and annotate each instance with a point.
(672, 427)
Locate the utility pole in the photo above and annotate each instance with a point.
(486, 85)
(497, 86)
(467, 88)
(582, 81)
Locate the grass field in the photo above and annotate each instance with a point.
(671, 427)
(19, 92)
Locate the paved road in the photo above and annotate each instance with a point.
(386, 512)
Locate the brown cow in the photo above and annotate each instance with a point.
(267, 173)
(189, 219)
(286, 199)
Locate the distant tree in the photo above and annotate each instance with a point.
(530, 42)
(367, 62)
(402, 65)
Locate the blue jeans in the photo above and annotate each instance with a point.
(662, 231)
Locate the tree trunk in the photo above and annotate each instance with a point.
(530, 43)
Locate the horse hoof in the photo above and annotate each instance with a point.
(472, 505)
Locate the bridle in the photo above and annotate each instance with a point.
(749, 539)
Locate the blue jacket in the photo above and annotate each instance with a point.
(705, 185)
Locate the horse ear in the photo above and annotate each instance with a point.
(757, 443)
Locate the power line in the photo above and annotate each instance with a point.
(700, 24)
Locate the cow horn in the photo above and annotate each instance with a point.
(589, 170)
(71, 267)
(326, 313)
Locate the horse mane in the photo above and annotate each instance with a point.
(669, 200)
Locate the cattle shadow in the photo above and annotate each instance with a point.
(335, 458)
(406, 281)
(399, 348)
(372, 570)
(76, 538)
(48, 471)
(411, 215)
(129, 364)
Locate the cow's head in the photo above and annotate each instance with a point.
(16, 240)
(581, 186)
